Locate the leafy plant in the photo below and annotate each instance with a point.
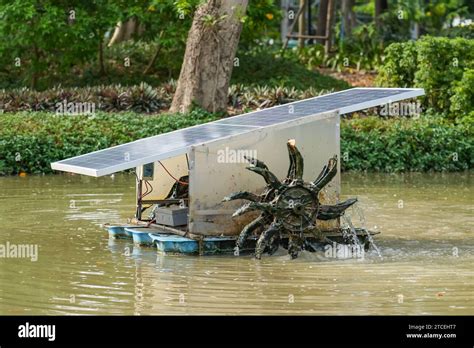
(141, 98)
(263, 67)
(464, 31)
(397, 145)
(50, 37)
(400, 65)
(441, 63)
(262, 20)
(30, 141)
(436, 64)
(144, 98)
(462, 100)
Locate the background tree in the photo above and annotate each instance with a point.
(48, 39)
(348, 16)
(380, 7)
(208, 61)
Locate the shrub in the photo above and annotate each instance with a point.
(243, 97)
(167, 66)
(141, 98)
(48, 42)
(465, 31)
(30, 141)
(437, 64)
(362, 50)
(441, 64)
(428, 143)
(462, 99)
(399, 66)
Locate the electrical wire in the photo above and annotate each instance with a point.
(148, 187)
(178, 181)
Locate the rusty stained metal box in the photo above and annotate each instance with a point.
(171, 216)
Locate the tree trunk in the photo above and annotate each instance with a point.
(155, 56)
(348, 16)
(329, 24)
(380, 6)
(210, 51)
(322, 18)
(125, 31)
(301, 24)
(285, 7)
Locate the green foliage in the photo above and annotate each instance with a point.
(261, 20)
(362, 50)
(311, 56)
(55, 42)
(462, 99)
(167, 66)
(399, 66)
(144, 98)
(441, 64)
(431, 16)
(263, 67)
(437, 64)
(436, 13)
(364, 47)
(248, 98)
(467, 120)
(30, 141)
(396, 145)
(50, 37)
(465, 31)
(141, 98)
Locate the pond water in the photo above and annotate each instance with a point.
(427, 247)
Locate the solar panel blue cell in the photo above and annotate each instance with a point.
(345, 101)
(167, 145)
(146, 150)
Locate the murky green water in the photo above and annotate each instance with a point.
(427, 246)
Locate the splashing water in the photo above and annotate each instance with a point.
(350, 232)
(361, 215)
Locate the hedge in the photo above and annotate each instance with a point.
(429, 143)
(442, 66)
(30, 141)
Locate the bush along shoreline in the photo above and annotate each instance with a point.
(29, 142)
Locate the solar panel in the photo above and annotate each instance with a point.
(145, 150)
(346, 101)
(171, 144)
